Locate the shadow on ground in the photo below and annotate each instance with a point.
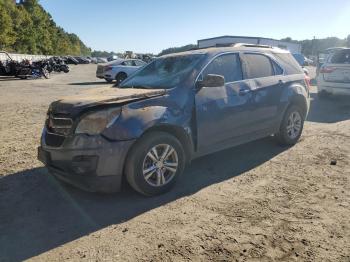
(9, 78)
(329, 110)
(90, 83)
(39, 214)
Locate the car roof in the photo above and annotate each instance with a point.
(218, 50)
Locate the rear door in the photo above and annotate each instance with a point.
(267, 81)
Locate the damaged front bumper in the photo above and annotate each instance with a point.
(92, 163)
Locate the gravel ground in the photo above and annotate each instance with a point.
(257, 202)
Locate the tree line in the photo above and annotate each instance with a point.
(25, 27)
(313, 46)
(308, 47)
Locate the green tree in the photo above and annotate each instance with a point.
(177, 49)
(7, 36)
(27, 28)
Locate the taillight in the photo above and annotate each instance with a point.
(327, 69)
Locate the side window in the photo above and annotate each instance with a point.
(258, 66)
(139, 63)
(276, 68)
(127, 63)
(228, 66)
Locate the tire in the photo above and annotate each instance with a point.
(109, 80)
(45, 73)
(120, 77)
(287, 135)
(158, 179)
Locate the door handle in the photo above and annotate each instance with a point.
(243, 92)
(281, 82)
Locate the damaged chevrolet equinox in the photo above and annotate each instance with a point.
(178, 107)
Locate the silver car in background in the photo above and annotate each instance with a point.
(118, 70)
(334, 74)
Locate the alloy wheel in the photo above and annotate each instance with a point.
(160, 165)
(294, 125)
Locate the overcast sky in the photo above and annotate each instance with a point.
(153, 25)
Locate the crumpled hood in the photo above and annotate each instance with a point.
(73, 105)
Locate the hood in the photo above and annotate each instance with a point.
(72, 106)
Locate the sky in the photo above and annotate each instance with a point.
(146, 26)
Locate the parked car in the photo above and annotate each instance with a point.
(82, 60)
(70, 60)
(334, 74)
(323, 56)
(101, 60)
(93, 60)
(112, 58)
(118, 70)
(178, 107)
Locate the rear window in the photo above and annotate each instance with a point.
(258, 66)
(289, 64)
(341, 57)
(278, 70)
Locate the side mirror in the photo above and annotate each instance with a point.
(211, 81)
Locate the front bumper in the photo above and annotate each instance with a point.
(89, 162)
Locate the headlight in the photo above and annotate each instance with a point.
(95, 123)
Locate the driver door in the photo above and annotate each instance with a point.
(223, 111)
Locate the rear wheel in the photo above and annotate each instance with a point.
(291, 126)
(120, 78)
(155, 163)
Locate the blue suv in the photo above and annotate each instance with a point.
(178, 107)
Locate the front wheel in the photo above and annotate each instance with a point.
(120, 78)
(154, 163)
(291, 126)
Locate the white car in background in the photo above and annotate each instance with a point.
(334, 74)
(118, 70)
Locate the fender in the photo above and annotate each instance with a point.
(295, 93)
(138, 117)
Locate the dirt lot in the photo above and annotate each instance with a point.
(257, 202)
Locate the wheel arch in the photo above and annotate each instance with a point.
(179, 133)
(120, 73)
(299, 101)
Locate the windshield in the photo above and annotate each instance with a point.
(165, 72)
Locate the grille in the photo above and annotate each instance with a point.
(58, 128)
(54, 140)
(59, 125)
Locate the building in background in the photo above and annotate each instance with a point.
(226, 40)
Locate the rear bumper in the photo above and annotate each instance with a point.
(88, 162)
(333, 88)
